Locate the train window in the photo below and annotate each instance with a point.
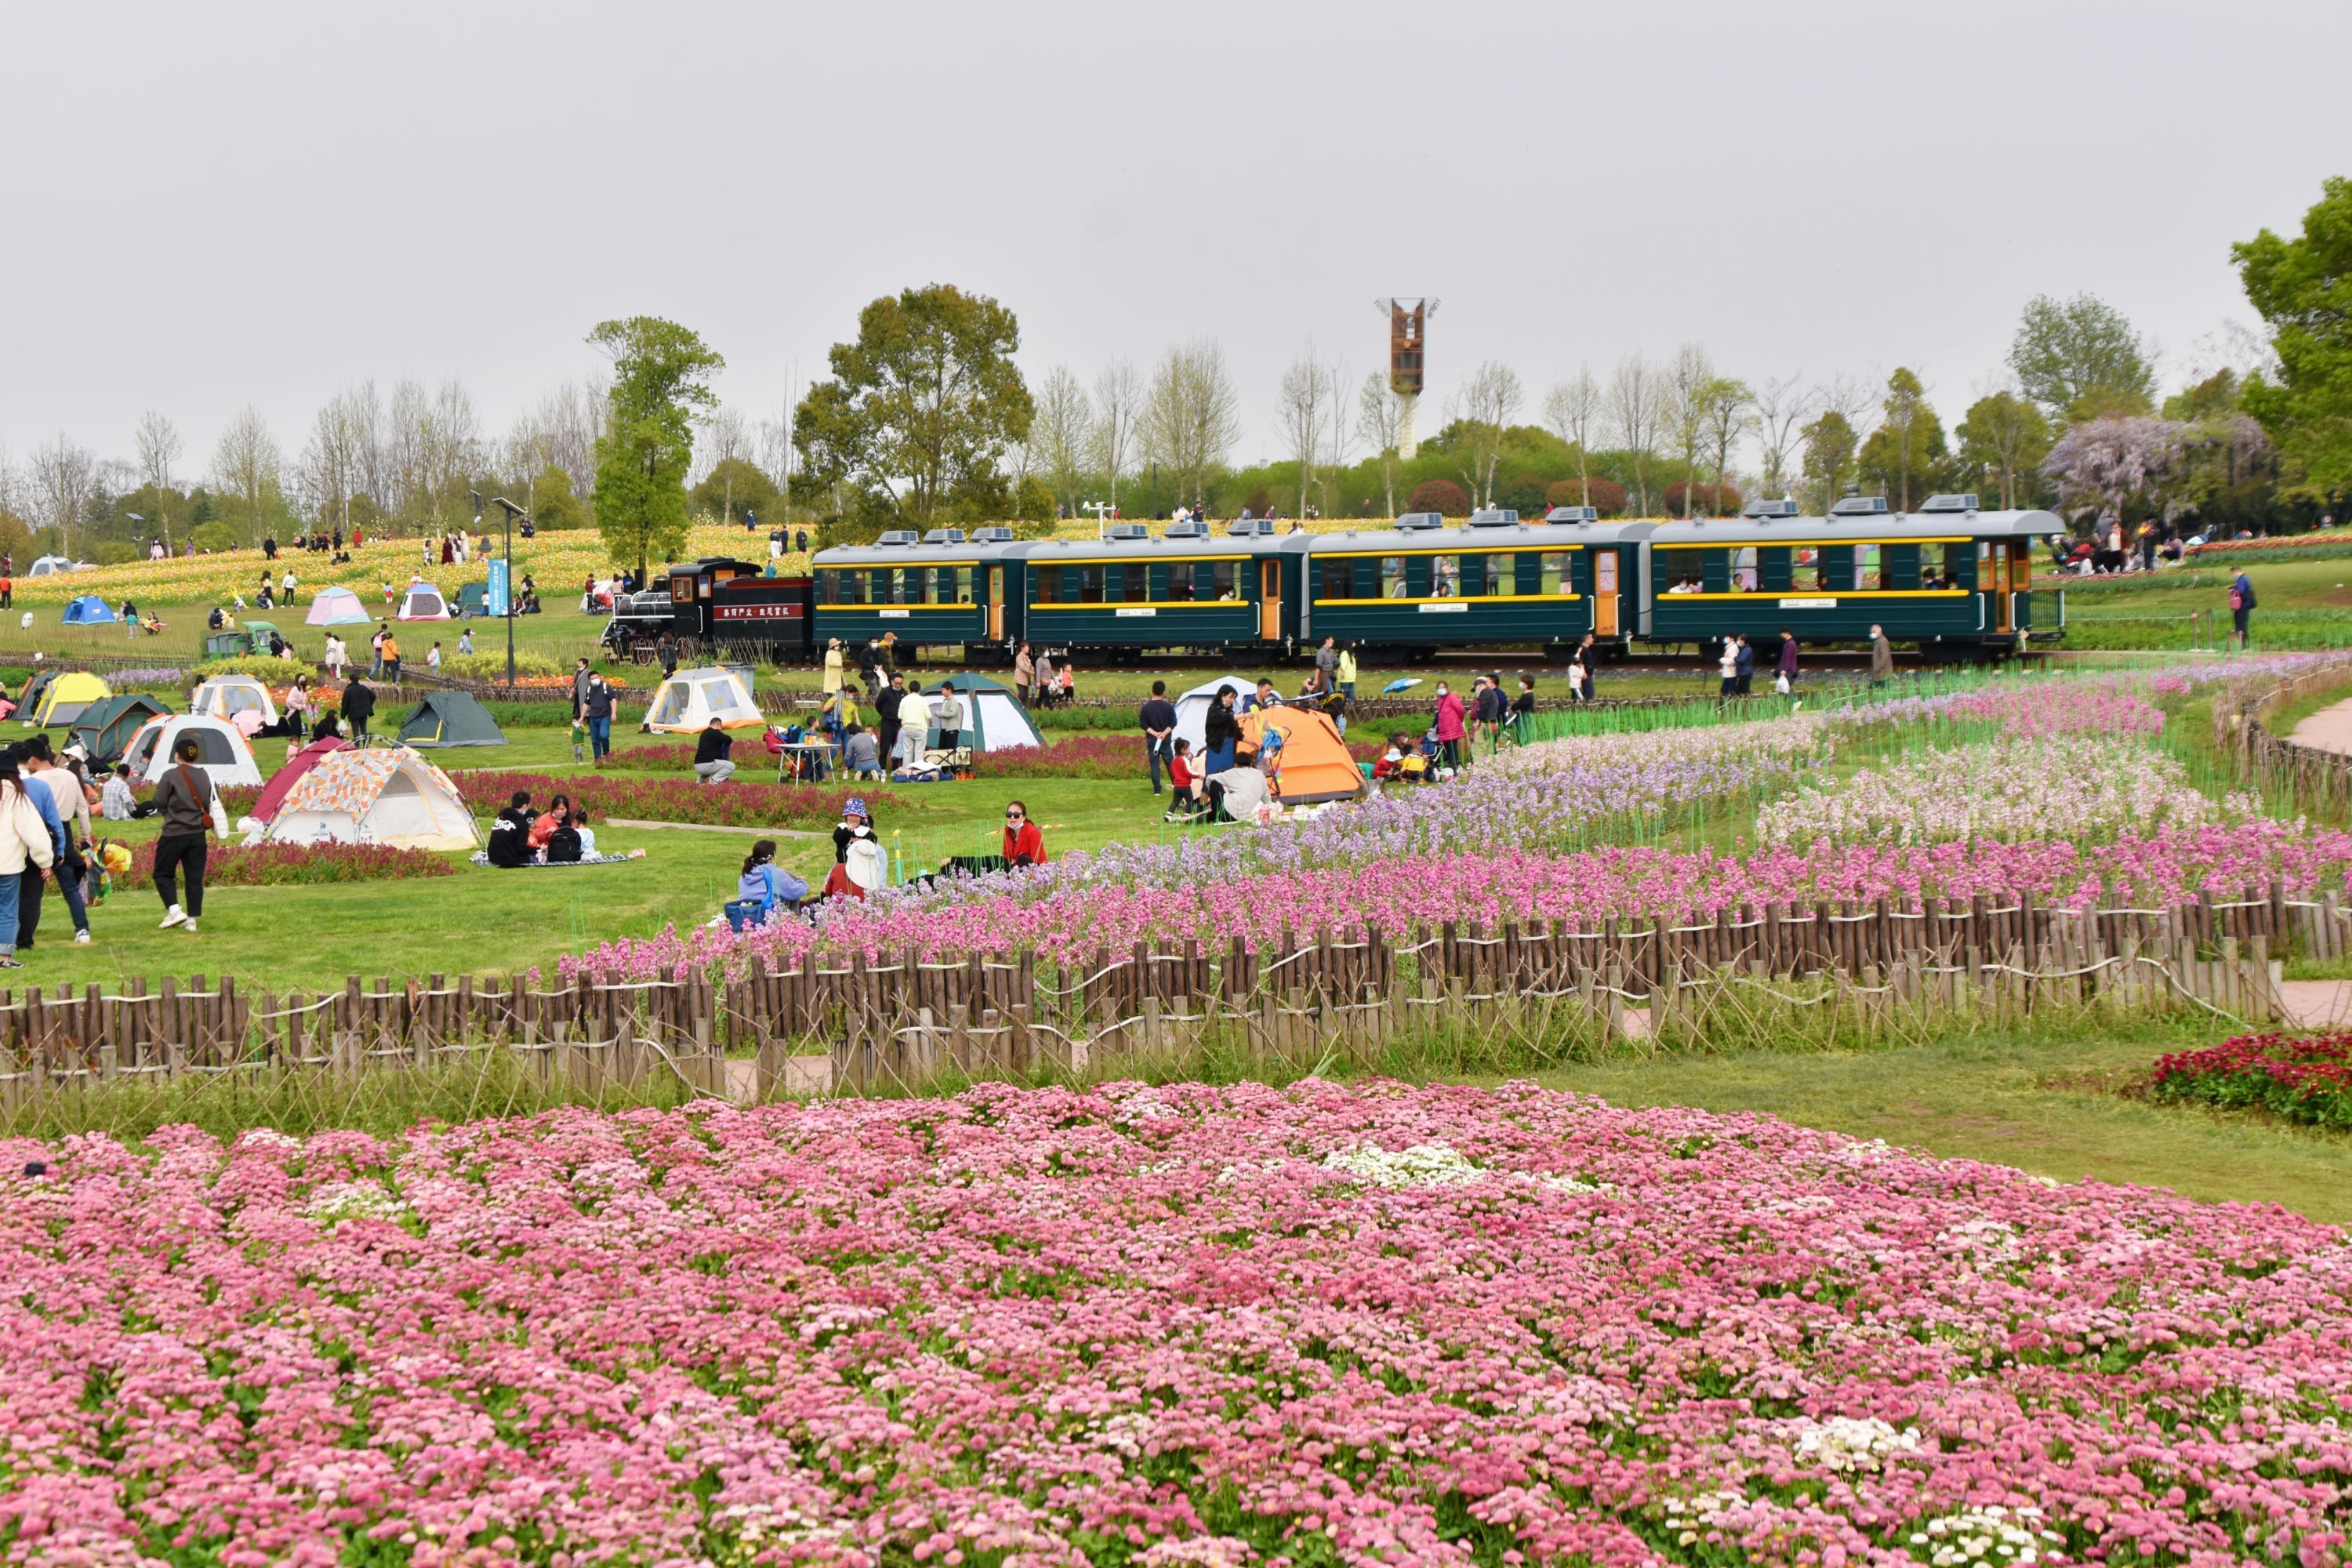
(1392, 577)
(1222, 575)
(1134, 583)
(828, 587)
(1090, 586)
(1339, 579)
(1805, 570)
(1502, 576)
(1445, 577)
(1179, 582)
(681, 589)
(1934, 566)
(1049, 584)
(853, 587)
(963, 585)
(1683, 571)
(1869, 568)
(1556, 577)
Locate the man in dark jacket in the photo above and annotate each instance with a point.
(359, 707)
(710, 761)
(510, 832)
(597, 708)
(1744, 667)
(1158, 717)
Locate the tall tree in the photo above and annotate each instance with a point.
(330, 462)
(158, 449)
(1484, 408)
(1572, 411)
(1380, 421)
(2303, 288)
(1829, 454)
(1062, 435)
(1689, 377)
(1782, 404)
(1636, 409)
(65, 475)
(661, 383)
(2080, 359)
(245, 466)
(1118, 414)
(2004, 436)
(1729, 416)
(1909, 438)
(924, 403)
(1191, 416)
(725, 439)
(1300, 408)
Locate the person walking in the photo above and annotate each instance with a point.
(24, 848)
(885, 717)
(1024, 672)
(1726, 666)
(358, 708)
(1158, 717)
(1588, 654)
(1221, 735)
(596, 709)
(1043, 670)
(665, 655)
(335, 658)
(711, 763)
(69, 804)
(433, 659)
(831, 678)
(1345, 671)
(392, 658)
(1450, 727)
(191, 809)
(1784, 669)
(580, 679)
(1326, 659)
(375, 643)
(1882, 657)
(1746, 666)
(2241, 607)
(914, 721)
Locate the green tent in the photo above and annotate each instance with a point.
(106, 726)
(473, 600)
(30, 698)
(991, 712)
(449, 718)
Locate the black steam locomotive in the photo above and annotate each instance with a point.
(721, 608)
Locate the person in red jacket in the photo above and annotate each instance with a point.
(1024, 845)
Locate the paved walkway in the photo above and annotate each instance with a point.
(2329, 730)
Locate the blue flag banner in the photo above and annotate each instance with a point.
(495, 600)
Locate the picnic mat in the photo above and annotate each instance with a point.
(482, 858)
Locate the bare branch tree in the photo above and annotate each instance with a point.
(1729, 416)
(1343, 437)
(1380, 420)
(1636, 409)
(1062, 433)
(1782, 406)
(1190, 415)
(1572, 411)
(457, 443)
(370, 454)
(158, 449)
(246, 464)
(1299, 408)
(1484, 408)
(1687, 379)
(1119, 408)
(408, 442)
(64, 477)
(330, 462)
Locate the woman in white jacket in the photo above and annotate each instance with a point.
(24, 841)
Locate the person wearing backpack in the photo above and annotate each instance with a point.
(191, 808)
(2241, 607)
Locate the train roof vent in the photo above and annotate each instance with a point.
(1761, 509)
(1963, 501)
(1860, 506)
(1573, 514)
(992, 536)
(1128, 530)
(1422, 520)
(895, 536)
(1244, 527)
(1188, 530)
(1494, 517)
(944, 536)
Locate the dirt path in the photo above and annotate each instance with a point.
(2329, 730)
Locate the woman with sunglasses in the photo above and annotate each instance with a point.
(1024, 845)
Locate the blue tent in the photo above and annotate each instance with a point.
(90, 610)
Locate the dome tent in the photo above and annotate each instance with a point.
(422, 602)
(336, 607)
(1192, 708)
(227, 696)
(374, 794)
(450, 719)
(90, 610)
(48, 565)
(996, 718)
(282, 782)
(106, 726)
(1310, 762)
(220, 750)
(64, 699)
(688, 700)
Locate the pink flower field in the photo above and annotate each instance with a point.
(1376, 1325)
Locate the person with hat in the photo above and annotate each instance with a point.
(831, 679)
(854, 841)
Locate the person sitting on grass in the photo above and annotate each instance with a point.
(115, 803)
(765, 886)
(563, 845)
(542, 827)
(510, 832)
(1024, 845)
(860, 754)
(710, 761)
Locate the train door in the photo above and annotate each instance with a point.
(1999, 586)
(995, 603)
(1269, 601)
(1604, 594)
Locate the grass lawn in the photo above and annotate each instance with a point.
(2046, 1105)
(2299, 604)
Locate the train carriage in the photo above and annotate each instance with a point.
(1494, 582)
(935, 589)
(1241, 594)
(1948, 576)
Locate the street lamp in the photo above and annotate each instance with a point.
(512, 511)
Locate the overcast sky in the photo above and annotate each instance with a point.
(206, 206)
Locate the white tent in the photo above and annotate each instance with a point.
(689, 700)
(336, 607)
(220, 750)
(423, 602)
(992, 716)
(1192, 708)
(227, 696)
(373, 796)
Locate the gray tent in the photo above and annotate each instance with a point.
(991, 712)
(449, 718)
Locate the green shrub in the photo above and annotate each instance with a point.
(276, 671)
(493, 666)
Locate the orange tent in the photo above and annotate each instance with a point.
(1312, 763)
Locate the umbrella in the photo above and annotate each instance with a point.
(1401, 683)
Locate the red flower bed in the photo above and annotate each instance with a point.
(2304, 1077)
(294, 865)
(730, 805)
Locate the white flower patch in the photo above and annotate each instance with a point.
(1982, 1240)
(1243, 1170)
(1695, 1516)
(1858, 1155)
(1993, 1534)
(1560, 1182)
(1199, 1552)
(1843, 1444)
(761, 1527)
(267, 1138)
(353, 1200)
(1423, 1165)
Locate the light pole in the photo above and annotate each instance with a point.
(512, 513)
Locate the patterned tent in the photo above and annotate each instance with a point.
(384, 794)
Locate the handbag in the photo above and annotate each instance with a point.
(2237, 600)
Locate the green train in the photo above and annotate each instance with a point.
(1950, 577)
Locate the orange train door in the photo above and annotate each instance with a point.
(996, 604)
(1604, 594)
(2001, 580)
(1269, 601)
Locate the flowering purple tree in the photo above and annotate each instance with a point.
(2105, 465)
